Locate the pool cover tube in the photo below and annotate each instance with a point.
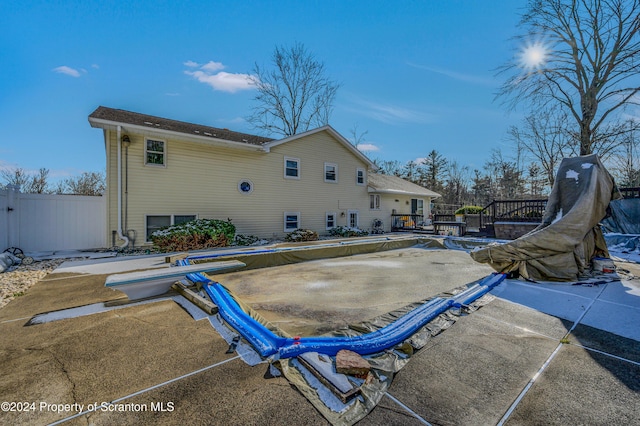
(269, 344)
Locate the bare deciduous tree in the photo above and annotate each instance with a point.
(88, 183)
(357, 136)
(294, 95)
(29, 183)
(544, 137)
(583, 55)
(625, 166)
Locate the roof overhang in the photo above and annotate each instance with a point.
(151, 131)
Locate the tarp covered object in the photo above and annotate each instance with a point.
(624, 216)
(561, 248)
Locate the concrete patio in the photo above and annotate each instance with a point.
(537, 354)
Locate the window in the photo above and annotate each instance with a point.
(154, 152)
(291, 221)
(155, 222)
(353, 218)
(330, 172)
(178, 220)
(245, 186)
(330, 220)
(291, 168)
(359, 176)
(374, 201)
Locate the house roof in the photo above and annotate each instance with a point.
(110, 118)
(388, 184)
(333, 132)
(104, 117)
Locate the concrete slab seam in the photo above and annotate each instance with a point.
(515, 404)
(140, 392)
(575, 324)
(479, 315)
(539, 287)
(619, 358)
(619, 304)
(409, 410)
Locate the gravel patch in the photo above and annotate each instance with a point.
(16, 283)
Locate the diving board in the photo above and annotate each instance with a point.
(141, 284)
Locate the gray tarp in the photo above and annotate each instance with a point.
(624, 216)
(561, 248)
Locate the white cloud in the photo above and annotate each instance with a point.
(67, 70)
(212, 66)
(368, 147)
(222, 81)
(95, 66)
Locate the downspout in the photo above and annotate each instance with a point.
(120, 234)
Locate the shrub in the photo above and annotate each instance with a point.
(194, 235)
(347, 232)
(301, 235)
(469, 210)
(245, 240)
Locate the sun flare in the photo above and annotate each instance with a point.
(534, 56)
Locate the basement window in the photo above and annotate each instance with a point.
(291, 221)
(155, 222)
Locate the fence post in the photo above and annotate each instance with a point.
(13, 218)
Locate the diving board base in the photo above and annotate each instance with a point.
(143, 284)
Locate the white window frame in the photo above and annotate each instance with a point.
(164, 153)
(374, 201)
(172, 221)
(364, 176)
(326, 220)
(297, 161)
(297, 214)
(335, 166)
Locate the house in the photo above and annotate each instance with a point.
(162, 172)
(407, 205)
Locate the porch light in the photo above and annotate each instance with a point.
(125, 140)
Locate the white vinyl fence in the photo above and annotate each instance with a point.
(48, 222)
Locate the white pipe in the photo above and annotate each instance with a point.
(120, 234)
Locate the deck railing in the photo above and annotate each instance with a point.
(512, 211)
(632, 192)
(407, 221)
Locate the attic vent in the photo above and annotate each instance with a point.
(157, 124)
(148, 123)
(244, 140)
(207, 134)
(197, 131)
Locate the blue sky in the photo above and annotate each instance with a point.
(416, 75)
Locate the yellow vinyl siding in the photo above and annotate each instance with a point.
(202, 180)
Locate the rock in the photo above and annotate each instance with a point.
(352, 364)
